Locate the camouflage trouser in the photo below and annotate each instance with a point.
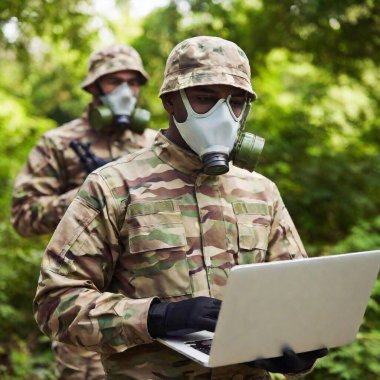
(75, 363)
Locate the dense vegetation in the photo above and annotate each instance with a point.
(316, 70)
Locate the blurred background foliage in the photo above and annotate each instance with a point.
(315, 67)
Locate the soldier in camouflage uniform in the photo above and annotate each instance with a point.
(147, 245)
(53, 174)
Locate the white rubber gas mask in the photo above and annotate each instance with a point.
(211, 135)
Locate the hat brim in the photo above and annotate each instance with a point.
(103, 70)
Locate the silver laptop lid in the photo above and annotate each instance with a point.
(307, 304)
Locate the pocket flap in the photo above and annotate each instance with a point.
(152, 207)
(252, 208)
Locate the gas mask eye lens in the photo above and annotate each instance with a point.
(202, 103)
(237, 106)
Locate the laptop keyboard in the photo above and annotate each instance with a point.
(201, 345)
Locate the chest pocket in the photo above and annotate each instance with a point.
(253, 223)
(157, 250)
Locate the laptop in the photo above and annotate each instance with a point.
(306, 304)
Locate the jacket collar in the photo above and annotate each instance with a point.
(180, 159)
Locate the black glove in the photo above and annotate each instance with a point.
(290, 362)
(183, 317)
(86, 156)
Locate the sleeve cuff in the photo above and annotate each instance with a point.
(300, 374)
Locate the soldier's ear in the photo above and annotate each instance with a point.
(92, 89)
(167, 102)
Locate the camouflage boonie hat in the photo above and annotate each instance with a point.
(112, 59)
(205, 60)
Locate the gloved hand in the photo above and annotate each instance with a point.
(290, 362)
(183, 317)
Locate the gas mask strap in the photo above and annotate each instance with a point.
(185, 101)
(246, 110)
(242, 115)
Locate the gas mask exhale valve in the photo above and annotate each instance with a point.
(217, 137)
(119, 110)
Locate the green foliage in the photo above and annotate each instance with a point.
(162, 26)
(26, 366)
(364, 236)
(63, 72)
(18, 130)
(334, 33)
(39, 78)
(20, 258)
(315, 151)
(38, 23)
(315, 69)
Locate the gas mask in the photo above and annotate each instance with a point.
(119, 110)
(218, 136)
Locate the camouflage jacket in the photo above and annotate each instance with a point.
(153, 225)
(53, 173)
